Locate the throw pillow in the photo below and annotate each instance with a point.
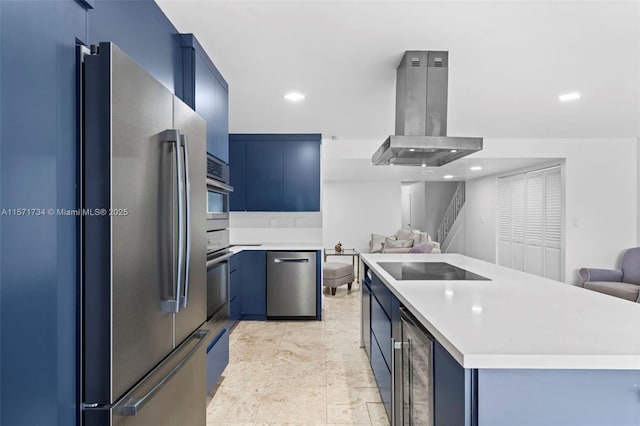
(375, 245)
(422, 248)
(393, 243)
(403, 234)
(425, 237)
(415, 236)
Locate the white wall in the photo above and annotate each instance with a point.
(601, 199)
(414, 213)
(480, 218)
(352, 211)
(275, 227)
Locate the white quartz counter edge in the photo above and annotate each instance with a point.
(510, 327)
(276, 246)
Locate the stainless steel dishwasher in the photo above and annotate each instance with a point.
(291, 284)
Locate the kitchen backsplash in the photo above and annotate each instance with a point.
(275, 227)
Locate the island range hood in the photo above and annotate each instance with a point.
(421, 115)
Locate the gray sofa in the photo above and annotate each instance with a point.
(406, 240)
(623, 283)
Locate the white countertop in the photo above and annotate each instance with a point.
(518, 320)
(276, 246)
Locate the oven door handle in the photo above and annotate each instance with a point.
(219, 185)
(219, 259)
(187, 197)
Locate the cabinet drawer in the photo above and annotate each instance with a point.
(217, 358)
(382, 374)
(366, 317)
(382, 293)
(381, 328)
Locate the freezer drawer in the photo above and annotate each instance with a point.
(172, 394)
(291, 284)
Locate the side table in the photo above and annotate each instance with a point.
(355, 258)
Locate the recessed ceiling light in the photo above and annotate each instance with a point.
(454, 150)
(448, 176)
(424, 165)
(475, 168)
(294, 97)
(476, 308)
(391, 164)
(569, 97)
(411, 149)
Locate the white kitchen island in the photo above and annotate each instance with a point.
(524, 350)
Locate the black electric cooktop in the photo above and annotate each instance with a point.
(437, 271)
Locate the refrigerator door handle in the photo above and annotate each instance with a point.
(183, 142)
(173, 136)
(133, 406)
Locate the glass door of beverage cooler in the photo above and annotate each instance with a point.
(417, 372)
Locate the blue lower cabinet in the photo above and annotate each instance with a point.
(452, 402)
(217, 358)
(381, 327)
(254, 285)
(235, 310)
(382, 373)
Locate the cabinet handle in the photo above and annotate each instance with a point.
(393, 381)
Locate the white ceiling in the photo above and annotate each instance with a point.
(509, 61)
(363, 170)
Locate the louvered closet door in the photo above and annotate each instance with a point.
(518, 217)
(534, 223)
(553, 225)
(529, 229)
(505, 246)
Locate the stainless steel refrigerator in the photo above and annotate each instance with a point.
(143, 247)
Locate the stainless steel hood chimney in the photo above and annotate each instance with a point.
(421, 115)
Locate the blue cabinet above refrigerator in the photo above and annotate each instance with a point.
(205, 90)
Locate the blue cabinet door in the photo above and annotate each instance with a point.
(275, 172)
(217, 358)
(449, 389)
(382, 374)
(238, 174)
(301, 180)
(264, 175)
(236, 278)
(254, 285)
(206, 91)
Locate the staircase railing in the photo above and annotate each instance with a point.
(451, 213)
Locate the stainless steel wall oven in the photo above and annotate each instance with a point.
(218, 253)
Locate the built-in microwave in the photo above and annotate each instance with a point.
(218, 191)
(217, 204)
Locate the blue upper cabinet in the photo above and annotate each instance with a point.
(237, 174)
(206, 91)
(264, 175)
(275, 172)
(301, 175)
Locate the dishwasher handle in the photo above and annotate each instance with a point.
(291, 260)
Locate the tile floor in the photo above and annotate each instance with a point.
(299, 372)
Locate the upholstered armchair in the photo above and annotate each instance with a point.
(623, 283)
